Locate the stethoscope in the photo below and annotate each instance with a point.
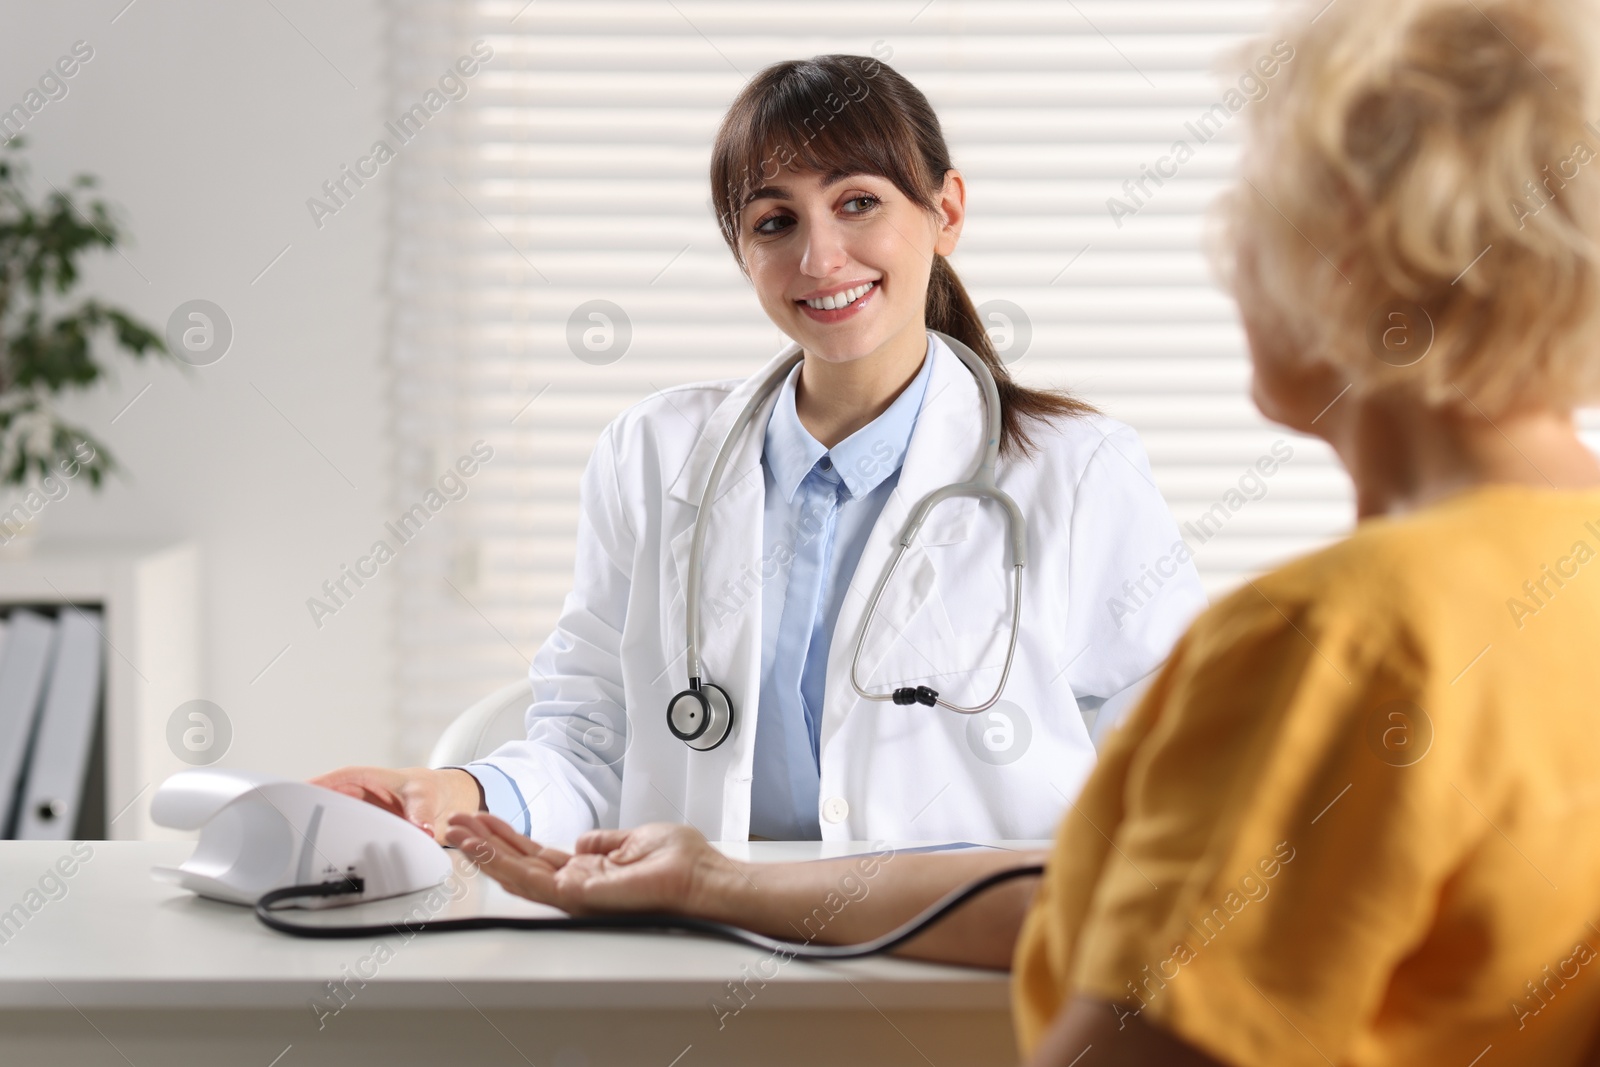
(702, 715)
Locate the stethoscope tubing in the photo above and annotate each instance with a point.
(270, 915)
(707, 498)
(980, 484)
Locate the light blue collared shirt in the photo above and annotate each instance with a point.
(821, 505)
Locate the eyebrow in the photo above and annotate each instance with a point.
(781, 192)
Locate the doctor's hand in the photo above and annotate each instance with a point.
(659, 867)
(422, 796)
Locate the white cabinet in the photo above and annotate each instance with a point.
(150, 597)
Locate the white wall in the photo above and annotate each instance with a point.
(209, 125)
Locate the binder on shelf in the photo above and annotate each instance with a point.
(30, 638)
(53, 792)
(5, 630)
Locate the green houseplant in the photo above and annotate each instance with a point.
(48, 337)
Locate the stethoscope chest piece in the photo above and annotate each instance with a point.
(701, 717)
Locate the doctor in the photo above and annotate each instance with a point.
(837, 196)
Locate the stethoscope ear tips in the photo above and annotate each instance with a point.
(920, 695)
(701, 718)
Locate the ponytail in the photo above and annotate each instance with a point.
(950, 310)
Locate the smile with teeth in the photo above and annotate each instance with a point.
(839, 300)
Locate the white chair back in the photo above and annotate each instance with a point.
(484, 727)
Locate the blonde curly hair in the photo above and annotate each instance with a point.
(1441, 155)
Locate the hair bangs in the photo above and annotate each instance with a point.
(821, 115)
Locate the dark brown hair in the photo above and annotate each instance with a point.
(843, 114)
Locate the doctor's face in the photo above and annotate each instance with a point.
(842, 265)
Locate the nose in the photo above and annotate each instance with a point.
(824, 249)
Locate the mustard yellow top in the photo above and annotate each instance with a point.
(1356, 820)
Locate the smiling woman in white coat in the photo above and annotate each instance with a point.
(838, 198)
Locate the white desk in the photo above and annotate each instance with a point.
(123, 969)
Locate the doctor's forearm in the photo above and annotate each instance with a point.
(836, 902)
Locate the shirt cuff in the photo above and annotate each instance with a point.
(501, 795)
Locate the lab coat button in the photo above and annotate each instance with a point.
(835, 809)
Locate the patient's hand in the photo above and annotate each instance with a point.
(660, 867)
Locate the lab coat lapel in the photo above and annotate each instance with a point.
(690, 483)
(730, 575)
(945, 447)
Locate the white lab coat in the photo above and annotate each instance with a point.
(599, 754)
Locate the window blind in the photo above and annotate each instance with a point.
(574, 170)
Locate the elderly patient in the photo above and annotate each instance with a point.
(1356, 820)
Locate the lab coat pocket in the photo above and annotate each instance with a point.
(975, 594)
(953, 646)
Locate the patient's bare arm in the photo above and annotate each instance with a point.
(667, 867)
(797, 900)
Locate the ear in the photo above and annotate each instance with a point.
(952, 212)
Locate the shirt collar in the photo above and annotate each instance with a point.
(862, 460)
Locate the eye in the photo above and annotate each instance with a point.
(866, 203)
(775, 223)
